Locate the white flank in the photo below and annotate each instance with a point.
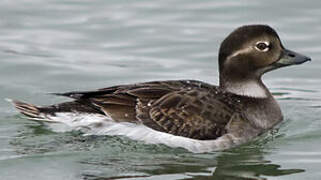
(95, 124)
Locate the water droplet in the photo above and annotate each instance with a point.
(149, 104)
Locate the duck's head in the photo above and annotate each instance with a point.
(249, 52)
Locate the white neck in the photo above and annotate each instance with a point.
(248, 88)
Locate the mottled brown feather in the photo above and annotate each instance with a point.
(185, 108)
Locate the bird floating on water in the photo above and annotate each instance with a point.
(194, 115)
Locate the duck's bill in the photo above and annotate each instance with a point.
(289, 57)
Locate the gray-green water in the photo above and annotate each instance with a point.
(60, 45)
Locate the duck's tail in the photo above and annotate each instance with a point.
(73, 114)
(27, 109)
(53, 113)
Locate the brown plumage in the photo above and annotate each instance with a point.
(237, 110)
(185, 108)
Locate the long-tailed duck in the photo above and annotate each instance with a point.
(197, 116)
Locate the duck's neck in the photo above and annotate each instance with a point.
(260, 108)
(251, 87)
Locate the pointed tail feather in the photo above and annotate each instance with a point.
(27, 109)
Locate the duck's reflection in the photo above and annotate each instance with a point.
(121, 158)
(246, 165)
(243, 163)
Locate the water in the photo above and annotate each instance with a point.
(58, 46)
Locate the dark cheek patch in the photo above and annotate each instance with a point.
(276, 51)
(275, 54)
(269, 58)
(259, 59)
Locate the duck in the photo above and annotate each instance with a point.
(190, 114)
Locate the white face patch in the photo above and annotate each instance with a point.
(262, 46)
(240, 51)
(248, 88)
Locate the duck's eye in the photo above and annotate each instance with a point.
(262, 46)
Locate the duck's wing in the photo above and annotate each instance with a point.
(185, 108)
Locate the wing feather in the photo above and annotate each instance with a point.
(185, 108)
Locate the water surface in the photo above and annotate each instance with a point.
(57, 46)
